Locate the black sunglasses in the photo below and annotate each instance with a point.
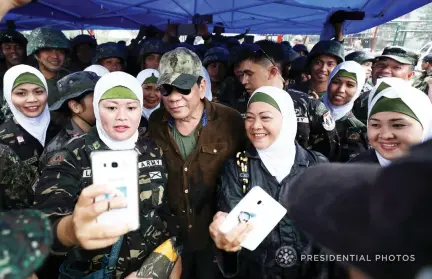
(167, 89)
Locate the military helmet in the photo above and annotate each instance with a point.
(301, 47)
(360, 57)
(289, 54)
(83, 39)
(332, 48)
(215, 54)
(108, 50)
(74, 86)
(152, 46)
(41, 38)
(12, 36)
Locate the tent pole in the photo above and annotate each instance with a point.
(374, 39)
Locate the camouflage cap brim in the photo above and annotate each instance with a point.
(182, 81)
(402, 60)
(63, 100)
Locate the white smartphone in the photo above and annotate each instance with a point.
(259, 209)
(119, 170)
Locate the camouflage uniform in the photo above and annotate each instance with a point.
(25, 241)
(399, 54)
(49, 38)
(16, 181)
(69, 171)
(421, 82)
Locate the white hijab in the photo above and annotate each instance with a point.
(206, 76)
(35, 126)
(142, 76)
(415, 99)
(353, 67)
(279, 157)
(104, 84)
(97, 69)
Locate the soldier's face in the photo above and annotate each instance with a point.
(392, 134)
(216, 71)
(368, 69)
(29, 99)
(263, 124)
(152, 61)
(85, 53)
(120, 118)
(113, 64)
(387, 67)
(182, 106)
(52, 59)
(321, 68)
(341, 90)
(152, 95)
(253, 75)
(13, 52)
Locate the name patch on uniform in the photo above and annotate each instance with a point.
(150, 163)
(302, 120)
(87, 173)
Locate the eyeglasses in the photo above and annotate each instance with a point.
(167, 89)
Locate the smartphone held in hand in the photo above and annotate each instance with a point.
(118, 170)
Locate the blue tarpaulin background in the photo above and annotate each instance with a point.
(262, 16)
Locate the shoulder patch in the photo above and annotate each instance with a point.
(57, 158)
(328, 122)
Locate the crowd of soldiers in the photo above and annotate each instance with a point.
(209, 122)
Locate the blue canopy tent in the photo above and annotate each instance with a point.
(262, 16)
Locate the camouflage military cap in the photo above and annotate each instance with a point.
(332, 48)
(108, 50)
(360, 57)
(152, 46)
(41, 38)
(74, 86)
(427, 58)
(12, 36)
(401, 55)
(300, 47)
(83, 39)
(215, 54)
(180, 68)
(25, 242)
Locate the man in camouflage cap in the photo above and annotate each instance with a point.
(25, 242)
(49, 47)
(216, 63)
(423, 81)
(151, 53)
(111, 56)
(366, 59)
(190, 129)
(396, 62)
(75, 108)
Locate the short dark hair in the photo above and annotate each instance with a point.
(266, 51)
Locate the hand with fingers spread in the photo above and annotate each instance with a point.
(81, 228)
(229, 242)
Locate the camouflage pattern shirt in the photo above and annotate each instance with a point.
(360, 108)
(421, 82)
(16, 181)
(68, 171)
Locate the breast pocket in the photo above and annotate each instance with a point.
(213, 154)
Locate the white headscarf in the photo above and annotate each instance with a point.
(104, 84)
(353, 67)
(35, 126)
(142, 76)
(206, 76)
(97, 69)
(279, 157)
(415, 99)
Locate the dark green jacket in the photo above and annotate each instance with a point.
(352, 136)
